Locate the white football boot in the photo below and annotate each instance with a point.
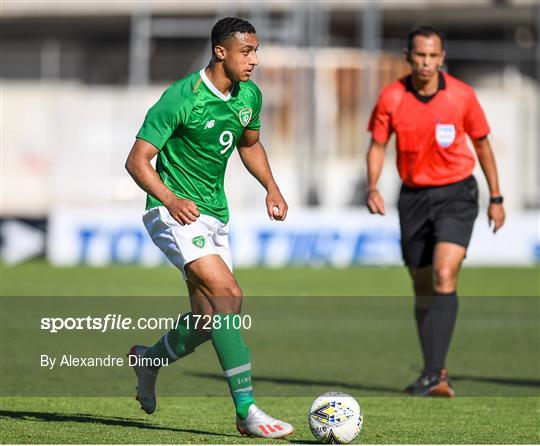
(146, 381)
(259, 424)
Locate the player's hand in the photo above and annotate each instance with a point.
(375, 202)
(183, 211)
(496, 215)
(276, 206)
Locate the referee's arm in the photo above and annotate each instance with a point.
(486, 159)
(375, 161)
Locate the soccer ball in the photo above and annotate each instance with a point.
(335, 417)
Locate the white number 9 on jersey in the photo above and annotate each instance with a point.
(226, 140)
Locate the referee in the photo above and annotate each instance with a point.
(431, 113)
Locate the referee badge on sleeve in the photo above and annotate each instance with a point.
(445, 134)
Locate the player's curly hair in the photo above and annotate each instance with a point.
(227, 27)
(425, 31)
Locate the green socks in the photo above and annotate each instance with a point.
(234, 356)
(235, 359)
(178, 342)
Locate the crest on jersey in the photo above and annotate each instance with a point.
(245, 116)
(445, 134)
(199, 241)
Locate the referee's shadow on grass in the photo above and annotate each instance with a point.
(495, 380)
(108, 421)
(305, 382)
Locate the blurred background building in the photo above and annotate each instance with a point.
(78, 77)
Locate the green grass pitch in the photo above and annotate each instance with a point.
(313, 330)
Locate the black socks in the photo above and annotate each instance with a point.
(443, 318)
(423, 322)
(435, 327)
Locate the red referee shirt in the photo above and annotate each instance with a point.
(431, 145)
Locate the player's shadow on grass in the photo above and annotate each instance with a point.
(108, 421)
(305, 382)
(493, 380)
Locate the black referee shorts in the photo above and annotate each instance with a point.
(428, 215)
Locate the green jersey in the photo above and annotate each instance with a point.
(196, 129)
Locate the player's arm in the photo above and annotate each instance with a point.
(375, 161)
(486, 159)
(139, 167)
(254, 157)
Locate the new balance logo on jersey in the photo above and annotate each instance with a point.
(210, 124)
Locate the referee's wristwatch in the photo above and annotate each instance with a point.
(496, 200)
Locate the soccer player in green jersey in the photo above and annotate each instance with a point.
(193, 129)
